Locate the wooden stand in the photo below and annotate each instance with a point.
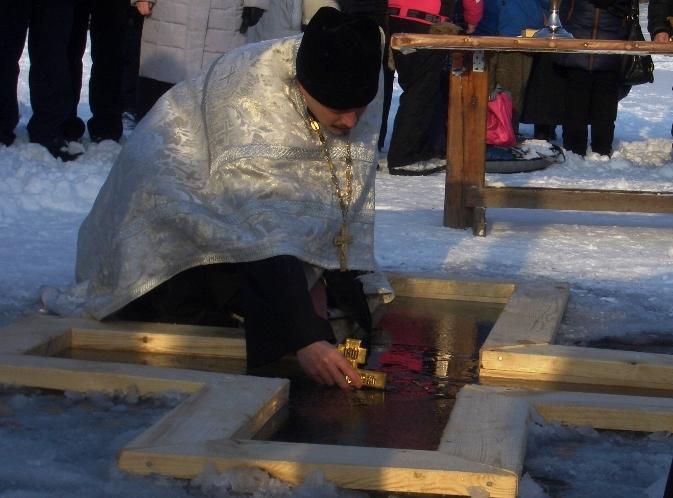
(466, 195)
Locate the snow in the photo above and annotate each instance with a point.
(619, 267)
(576, 463)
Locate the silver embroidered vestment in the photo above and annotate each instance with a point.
(224, 169)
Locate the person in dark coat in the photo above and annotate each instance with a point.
(106, 22)
(592, 92)
(659, 13)
(52, 88)
(420, 123)
(14, 17)
(658, 24)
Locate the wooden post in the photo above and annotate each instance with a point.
(468, 97)
(455, 214)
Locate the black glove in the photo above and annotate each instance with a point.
(250, 17)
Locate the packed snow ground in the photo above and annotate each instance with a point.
(619, 266)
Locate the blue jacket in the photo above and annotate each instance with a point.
(509, 17)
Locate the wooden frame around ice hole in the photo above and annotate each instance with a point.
(206, 429)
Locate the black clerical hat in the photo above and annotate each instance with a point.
(339, 59)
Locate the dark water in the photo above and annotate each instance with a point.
(428, 349)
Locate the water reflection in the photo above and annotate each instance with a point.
(428, 349)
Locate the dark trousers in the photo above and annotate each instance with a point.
(106, 21)
(14, 15)
(272, 294)
(420, 122)
(51, 83)
(149, 91)
(592, 98)
(131, 62)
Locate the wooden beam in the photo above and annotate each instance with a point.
(33, 331)
(80, 375)
(210, 342)
(468, 98)
(408, 41)
(233, 407)
(488, 427)
(578, 365)
(568, 199)
(606, 411)
(455, 213)
(349, 467)
(532, 315)
(429, 288)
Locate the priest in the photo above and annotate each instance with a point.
(249, 192)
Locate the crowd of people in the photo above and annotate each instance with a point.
(141, 50)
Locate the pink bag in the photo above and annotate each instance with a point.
(499, 130)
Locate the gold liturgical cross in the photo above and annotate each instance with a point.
(356, 354)
(342, 241)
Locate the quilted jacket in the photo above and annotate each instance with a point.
(182, 37)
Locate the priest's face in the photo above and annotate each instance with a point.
(337, 121)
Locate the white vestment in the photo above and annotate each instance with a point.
(225, 169)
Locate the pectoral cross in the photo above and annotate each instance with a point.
(341, 241)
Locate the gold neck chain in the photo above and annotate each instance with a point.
(343, 239)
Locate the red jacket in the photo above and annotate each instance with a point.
(423, 11)
(473, 10)
(434, 11)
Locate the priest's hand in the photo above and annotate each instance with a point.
(250, 17)
(323, 363)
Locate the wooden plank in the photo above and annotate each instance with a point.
(455, 213)
(51, 347)
(345, 466)
(407, 41)
(204, 363)
(488, 427)
(585, 366)
(78, 375)
(434, 288)
(606, 411)
(192, 342)
(531, 316)
(32, 331)
(234, 406)
(569, 199)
